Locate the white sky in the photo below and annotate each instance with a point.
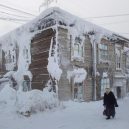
(81, 8)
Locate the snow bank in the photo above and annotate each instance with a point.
(7, 95)
(29, 102)
(36, 100)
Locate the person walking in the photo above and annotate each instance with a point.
(109, 103)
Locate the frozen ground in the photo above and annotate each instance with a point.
(74, 115)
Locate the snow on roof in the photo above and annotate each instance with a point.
(57, 15)
(64, 18)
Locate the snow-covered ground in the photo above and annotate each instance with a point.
(72, 115)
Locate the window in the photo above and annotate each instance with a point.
(127, 61)
(77, 53)
(78, 50)
(118, 58)
(1, 57)
(105, 83)
(26, 83)
(103, 49)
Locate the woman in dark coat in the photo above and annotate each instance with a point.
(109, 103)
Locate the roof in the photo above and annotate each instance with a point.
(76, 25)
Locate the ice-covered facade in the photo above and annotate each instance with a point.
(74, 58)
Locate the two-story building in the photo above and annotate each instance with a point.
(74, 58)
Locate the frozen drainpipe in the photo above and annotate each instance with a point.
(94, 66)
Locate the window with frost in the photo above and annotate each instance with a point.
(103, 50)
(127, 61)
(105, 83)
(118, 58)
(9, 60)
(78, 48)
(26, 83)
(78, 91)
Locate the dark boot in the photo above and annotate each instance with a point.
(108, 117)
(113, 116)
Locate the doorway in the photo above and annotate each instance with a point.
(118, 91)
(78, 91)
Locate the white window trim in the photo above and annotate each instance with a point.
(78, 57)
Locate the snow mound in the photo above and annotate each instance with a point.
(7, 95)
(28, 102)
(35, 100)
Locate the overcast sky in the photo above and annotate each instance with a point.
(81, 8)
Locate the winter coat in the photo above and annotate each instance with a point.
(110, 103)
(109, 99)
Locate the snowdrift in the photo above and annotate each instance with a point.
(29, 102)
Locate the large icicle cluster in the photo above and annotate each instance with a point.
(78, 75)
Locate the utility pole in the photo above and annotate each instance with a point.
(94, 67)
(93, 41)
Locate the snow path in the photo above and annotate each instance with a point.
(74, 116)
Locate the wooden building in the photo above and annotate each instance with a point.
(89, 57)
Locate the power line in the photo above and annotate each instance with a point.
(13, 19)
(114, 23)
(123, 33)
(108, 16)
(17, 10)
(13, 14)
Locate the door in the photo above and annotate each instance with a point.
(118, 91)
(78, 91)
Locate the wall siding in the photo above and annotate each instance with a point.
(40, 46)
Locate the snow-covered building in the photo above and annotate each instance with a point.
(73, 57)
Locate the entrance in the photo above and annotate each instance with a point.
(118, 91)
(78, 91)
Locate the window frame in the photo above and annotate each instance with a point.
(78, 50)
(103, 52)
(77, 53)
(118, 59)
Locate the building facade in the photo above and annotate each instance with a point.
(77, 64)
